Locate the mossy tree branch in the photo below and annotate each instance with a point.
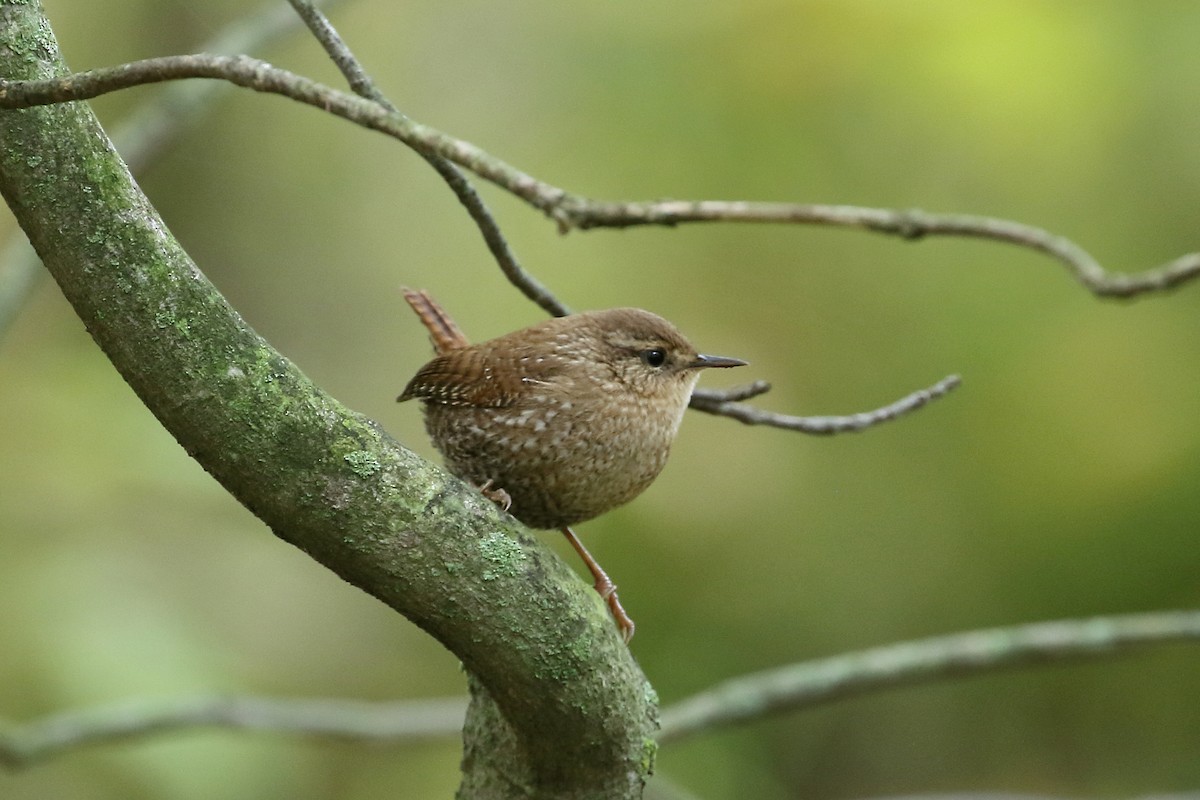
(148, 131)
(560, 709)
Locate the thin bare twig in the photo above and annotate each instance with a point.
(804, 685)
(574, 211)
(910, 224)
(362, 85)
(738, 701)
(723, 403)
(733, 394)
(410, 720)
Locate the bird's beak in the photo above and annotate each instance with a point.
(703, 362)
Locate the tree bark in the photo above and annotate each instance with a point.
(559, 707)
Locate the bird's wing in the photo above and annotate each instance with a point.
(482, 379)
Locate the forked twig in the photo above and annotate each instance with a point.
(362, 85)
(725, 404)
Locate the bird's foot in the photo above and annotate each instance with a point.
(496, 495)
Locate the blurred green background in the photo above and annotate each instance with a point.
(1059, 481)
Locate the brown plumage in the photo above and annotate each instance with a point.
(567, 418)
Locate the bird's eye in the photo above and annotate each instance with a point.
(654, 357)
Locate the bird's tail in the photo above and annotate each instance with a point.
(443, 332)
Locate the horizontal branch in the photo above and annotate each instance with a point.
(799, 686)
(909, 224)
(21, 746)
(738, 701)
(575, 211)
(725, 404)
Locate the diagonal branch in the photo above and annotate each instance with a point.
(575, 211)
(812, 683)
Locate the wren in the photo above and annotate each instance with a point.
(561, 421)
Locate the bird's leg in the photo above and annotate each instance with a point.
(604, 585)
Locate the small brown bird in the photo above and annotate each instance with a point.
(561, 421)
